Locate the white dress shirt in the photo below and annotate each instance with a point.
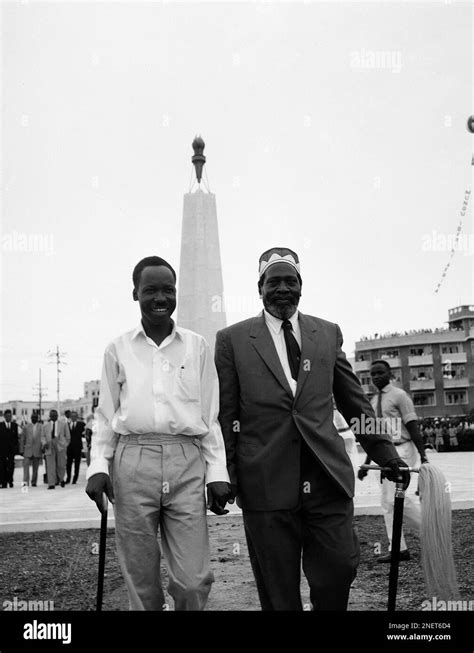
(274, 325)
(169, 389)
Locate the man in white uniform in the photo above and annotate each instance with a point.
(394, 409)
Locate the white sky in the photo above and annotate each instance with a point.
(351, 167)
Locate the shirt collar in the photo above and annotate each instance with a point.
(387, 387)
(275, 323)
(176, 331)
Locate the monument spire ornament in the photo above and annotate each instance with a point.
(198, 159)
(201, 306)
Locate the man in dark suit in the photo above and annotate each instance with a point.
(9, 447)
(288, 466)
(5, 453)
(74, 449)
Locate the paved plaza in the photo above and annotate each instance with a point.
(35, 509)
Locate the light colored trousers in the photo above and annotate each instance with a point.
(411, 506)
(34, 461)
(55, 463)
(158, 483)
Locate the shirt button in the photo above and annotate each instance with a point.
(294, 412)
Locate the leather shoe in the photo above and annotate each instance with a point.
(404, 555)
(63, 483)
(51, 487)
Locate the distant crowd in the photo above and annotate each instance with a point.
(410, 332)
(443, 435)
(60, 442)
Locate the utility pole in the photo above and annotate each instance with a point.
(58, 355)
(40, 392)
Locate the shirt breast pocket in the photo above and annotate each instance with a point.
(187, 384)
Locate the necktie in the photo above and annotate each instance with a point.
(379, 405)
(8, 425)
(52, 432)
(292, 349)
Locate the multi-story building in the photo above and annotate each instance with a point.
(436, 367)
(84, 406)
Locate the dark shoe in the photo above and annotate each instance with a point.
(51, 487)
(404, 555)
(33, 485)
(68, 480)
(74, 482)
(11, 484)
(63, 483)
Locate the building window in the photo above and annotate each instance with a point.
(86, 394)
(397, 375)
(389, 353)
(365, 379)
(362, 357)
(420, 350)
(424, 373)
(455, 398)
(424, 399)
(452, 348)
(454, 371)
(13, 411)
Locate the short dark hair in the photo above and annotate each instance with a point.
(8, 410)
(146, 262)
(381, 361)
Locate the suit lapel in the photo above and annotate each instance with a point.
(263, 343)
(309, 348)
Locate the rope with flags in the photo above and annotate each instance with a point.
(467, 194)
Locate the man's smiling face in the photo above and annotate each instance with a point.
(156, 294)
(281, 290)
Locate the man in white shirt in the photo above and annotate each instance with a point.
(157, 429)
(397, 417)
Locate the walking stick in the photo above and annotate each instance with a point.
(396, 535)
(102, 543)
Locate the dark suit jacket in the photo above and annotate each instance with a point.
(9, 444)
(262, 423)
(75, 445)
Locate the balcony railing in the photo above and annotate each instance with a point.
(361, 366)
(425, 359)
(460, 357)
(428, 384)
(461, 382)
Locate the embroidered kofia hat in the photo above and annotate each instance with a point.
(278, 255)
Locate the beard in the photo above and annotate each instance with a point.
(283, 311)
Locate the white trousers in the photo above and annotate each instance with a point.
(411, 507)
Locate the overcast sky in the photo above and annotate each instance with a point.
(337, 129)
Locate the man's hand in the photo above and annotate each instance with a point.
(96, 486)
(217, 494)
(362, 473)
(398, 473)
(233, 493)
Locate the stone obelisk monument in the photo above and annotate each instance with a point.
(200, 287)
